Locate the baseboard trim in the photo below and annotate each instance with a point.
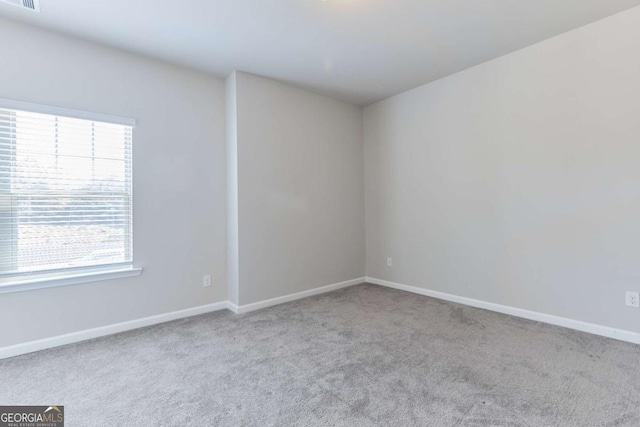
(578, 325)
(60, 340)
(74, 337)
(292, 297)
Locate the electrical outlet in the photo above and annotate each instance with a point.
(389, 262)
(633, 299)
(206, 281)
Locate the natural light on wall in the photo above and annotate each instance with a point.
(65, 193)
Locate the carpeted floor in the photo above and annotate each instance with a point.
(363, 356)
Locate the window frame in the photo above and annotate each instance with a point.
(71, 276)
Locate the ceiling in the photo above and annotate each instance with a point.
(357, 50)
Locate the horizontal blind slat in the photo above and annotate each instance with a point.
(65, 192)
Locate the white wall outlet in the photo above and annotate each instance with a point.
(389, 262)
(633, 299)
(206, 281)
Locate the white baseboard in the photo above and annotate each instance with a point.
(30, 347)
(88, 334)
(292, 297)
(578, 325)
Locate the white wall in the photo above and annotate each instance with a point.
(300, 189)
(233, 267)
(179, 179)
(517, 181)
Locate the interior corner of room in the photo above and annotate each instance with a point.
(320, 212)
(497, 190)
(511, 185)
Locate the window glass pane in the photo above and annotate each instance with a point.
(65, 193)
(70, 232)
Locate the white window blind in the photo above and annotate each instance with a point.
(65, 193)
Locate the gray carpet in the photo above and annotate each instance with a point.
(363, 356)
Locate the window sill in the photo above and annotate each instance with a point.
(88, 276)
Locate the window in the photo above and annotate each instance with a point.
(65, 192)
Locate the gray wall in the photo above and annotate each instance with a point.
(300, 189)
(179, 179)
(517, 181)
(296, 215)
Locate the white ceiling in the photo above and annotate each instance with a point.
(357, 50)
